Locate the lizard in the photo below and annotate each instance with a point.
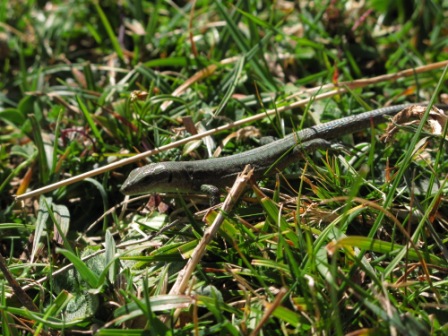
(209, 175)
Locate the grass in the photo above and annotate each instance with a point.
(347, 241)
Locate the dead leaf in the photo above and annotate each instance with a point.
(412, 115)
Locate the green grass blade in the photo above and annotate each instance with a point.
(110, 33)
(44, 171)
(90, 120)
(384, 247)
(231, 84)
(84, 271)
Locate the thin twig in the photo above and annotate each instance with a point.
(339, 88)
(175, 144)
(184, 276)
(238, 188)
(19, 292)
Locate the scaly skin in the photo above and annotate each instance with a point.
(211, 174)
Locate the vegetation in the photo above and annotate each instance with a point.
(350, 240)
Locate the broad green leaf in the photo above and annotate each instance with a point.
(84, 271)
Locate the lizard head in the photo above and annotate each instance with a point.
(154, 177)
